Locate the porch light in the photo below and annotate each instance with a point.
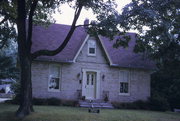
(103, 77)
(79, 77)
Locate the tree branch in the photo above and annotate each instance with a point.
(85, 25)
(30, 24)
(66, 40)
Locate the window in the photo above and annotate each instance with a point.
(124, 83)
(54, 78)
(92, 47)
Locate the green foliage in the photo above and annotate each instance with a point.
(72, 103)
(132, 105)
(39, 101)
(158, 103)
(157, 22)
(161, 19)
(166, 83)
(54, 101)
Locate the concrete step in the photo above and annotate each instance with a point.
(95, 104)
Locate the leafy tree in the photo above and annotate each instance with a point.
(8, 57)
(158, 24)
(25, 13)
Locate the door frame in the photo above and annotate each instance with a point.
(97, 86)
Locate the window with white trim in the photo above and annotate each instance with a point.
(92, 47)
(124, 83)
(54, 78)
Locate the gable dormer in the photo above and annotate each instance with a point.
(91, 51)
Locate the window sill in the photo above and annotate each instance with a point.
(57, 90)
(124, 94)
(91, 54)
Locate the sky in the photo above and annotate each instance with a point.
(67, 13)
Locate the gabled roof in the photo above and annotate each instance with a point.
(125, 57)
(52, 36)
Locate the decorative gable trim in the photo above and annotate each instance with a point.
(110, 61)
(75, 57)
(106, 53)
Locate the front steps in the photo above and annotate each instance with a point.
(95, 104)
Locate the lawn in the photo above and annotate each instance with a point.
(58, 113)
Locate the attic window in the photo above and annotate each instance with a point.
(91, 47)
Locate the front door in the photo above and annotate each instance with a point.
(90, 85)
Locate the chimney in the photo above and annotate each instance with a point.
(86, 21)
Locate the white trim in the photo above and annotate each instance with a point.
(60, 78)
(88, 53)
(87, 37)
(105, 51)
(97, 82)
(75, 57)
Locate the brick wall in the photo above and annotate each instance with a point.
(70, 84)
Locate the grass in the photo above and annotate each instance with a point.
(58, 113)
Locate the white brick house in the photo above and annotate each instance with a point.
(88, 67)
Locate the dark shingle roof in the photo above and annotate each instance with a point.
(52, 37)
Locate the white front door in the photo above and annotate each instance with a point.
(90, 85)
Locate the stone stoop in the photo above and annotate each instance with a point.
(95, 104)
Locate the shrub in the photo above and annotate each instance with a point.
(158, 103)
(142, 104)
(131, 105)
(123, 105)
(69, 103)
(16, 99)
(39, 101)
(53, 101)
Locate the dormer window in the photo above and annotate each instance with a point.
(92, 48)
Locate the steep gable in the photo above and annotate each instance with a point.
(99, 57)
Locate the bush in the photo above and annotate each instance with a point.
(72, 103)
(39, 101)
(16, 99)
(158, 103)
(142, 104)
(53, 101)
(132, 105)
(124, 105)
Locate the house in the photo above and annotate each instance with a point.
(88, 68)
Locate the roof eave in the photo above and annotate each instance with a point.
(144, 68)
(53, 60)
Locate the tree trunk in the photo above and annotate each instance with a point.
(25, 63)
(25, 107)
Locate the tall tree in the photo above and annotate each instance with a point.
(158, 24)
(23, 13)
